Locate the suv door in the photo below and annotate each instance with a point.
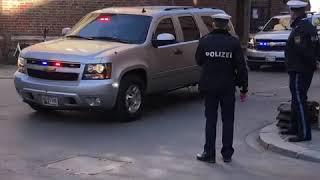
(163, 64)
(188, 70)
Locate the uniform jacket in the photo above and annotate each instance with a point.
(222, 61)
(302, 49)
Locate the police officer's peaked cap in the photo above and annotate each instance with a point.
(221, 16)
(296, 4)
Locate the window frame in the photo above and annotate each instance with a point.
(153, 37)
(181, 29)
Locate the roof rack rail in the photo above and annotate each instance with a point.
(178, 8)
(284, 12)
(187, 8)
(204, 7)
(311, 12)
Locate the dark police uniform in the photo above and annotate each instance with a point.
(301, 55)
(223, 68)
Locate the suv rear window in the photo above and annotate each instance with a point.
(189, 28)
(208, 21)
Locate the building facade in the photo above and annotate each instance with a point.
(25, 20)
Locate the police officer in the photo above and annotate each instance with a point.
(223, 67)
(301, 57)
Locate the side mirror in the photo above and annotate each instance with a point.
(164, 39)
(65, 31)
(260, 28)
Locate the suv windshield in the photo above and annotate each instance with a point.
(278, 24)
(123, 28)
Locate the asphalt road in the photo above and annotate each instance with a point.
(162, 145)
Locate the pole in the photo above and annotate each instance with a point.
(243, 20)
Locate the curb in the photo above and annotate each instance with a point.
(270, 139)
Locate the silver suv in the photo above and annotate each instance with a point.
(113, 57)
(267, 46)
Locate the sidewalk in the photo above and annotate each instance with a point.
(270, 139)
(7, 71)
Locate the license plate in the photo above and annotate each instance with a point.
(50, 101)
(270, 58)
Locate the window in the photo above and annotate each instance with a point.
(189, 28)
(165, 26)
(131, 29)
(278, 24)
(208, 21)
(316, 22)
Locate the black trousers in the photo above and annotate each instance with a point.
(299, 86)
(227, 104)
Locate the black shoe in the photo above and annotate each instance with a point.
(227, 160)
(205, 157)
(289, 132)
(298, 139)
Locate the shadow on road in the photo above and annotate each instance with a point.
(277, 69)
(154, 104)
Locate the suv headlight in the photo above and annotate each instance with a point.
(22, 65)
(252, 43)
(97, 71)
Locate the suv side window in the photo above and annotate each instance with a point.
(189, 28)
(165, 26)
(208, 21)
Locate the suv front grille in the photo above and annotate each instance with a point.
(271, 45)
(53, 75)
(52, 63)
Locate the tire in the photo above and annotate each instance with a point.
(40, 109)
(130, 109)
(253, 67)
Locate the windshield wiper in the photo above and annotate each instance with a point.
(79, 37)
(111, 39)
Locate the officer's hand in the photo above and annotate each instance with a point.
(243, 97)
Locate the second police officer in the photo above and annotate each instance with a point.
(301, 56)
(223, 68)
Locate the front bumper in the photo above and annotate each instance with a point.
(265, 57)
(71, 95)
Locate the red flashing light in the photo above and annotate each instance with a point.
(57, 64)
(105, 18)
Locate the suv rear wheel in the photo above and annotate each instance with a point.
(131, 97)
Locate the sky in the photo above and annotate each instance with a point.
(315, 5)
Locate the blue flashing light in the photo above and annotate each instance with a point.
(263, 44)
(44, 63)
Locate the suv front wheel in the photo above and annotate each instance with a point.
(130, 98)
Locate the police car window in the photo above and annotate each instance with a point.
(316, 22)
(165, 26)
(189, 28)
(208, 21)
(278, 24)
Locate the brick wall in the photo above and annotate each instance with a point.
(30, 17)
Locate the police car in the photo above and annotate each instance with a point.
(267, 46)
